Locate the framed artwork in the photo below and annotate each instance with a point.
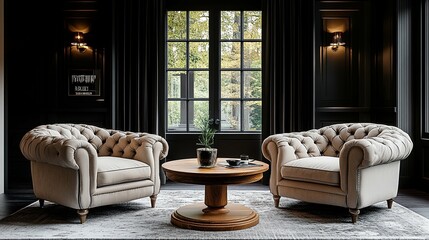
(84, 82)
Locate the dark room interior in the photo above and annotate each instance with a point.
(303, 64)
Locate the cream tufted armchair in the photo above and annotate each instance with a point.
(82, 166)
(351, 165)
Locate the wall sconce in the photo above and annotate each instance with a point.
(337, 40)
(79, 42)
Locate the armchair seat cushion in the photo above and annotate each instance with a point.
(115, 170)
(322, 170)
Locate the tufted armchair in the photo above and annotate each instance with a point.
(351, 165)
(82, 166)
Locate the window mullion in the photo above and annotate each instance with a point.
(187, 71)
(214, 65)
(241, 71)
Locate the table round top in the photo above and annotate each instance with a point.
(189, 171)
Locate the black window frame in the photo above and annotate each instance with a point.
(214, 7)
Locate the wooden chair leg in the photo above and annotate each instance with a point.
(276, 200)
(355, 214)
(82, 214)
(41, 203)
(389, 203)
(153, 200)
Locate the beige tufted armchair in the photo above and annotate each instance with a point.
(82, 166)
(351, 165)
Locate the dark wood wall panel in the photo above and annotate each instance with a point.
(336, 65)
(425, 155)
(37, 72)
(30, 66)
(423, 166)
(421, 170)
(329, 118)
(421, 45)
(383, 80)
(343, 92)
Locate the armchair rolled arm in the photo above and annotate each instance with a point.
(54, 150)
(153, 149)
(379, 150)
(296, 145)
(282, 148)
(149, 140)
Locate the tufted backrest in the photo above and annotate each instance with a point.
(329, 140)
(106, 142)
(336, 135)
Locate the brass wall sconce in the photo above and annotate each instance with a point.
(337, 40)
(79, 42)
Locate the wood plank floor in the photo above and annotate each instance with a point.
(415, 200)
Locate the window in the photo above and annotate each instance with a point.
(240, 64)
(214, 70)
(187, 68)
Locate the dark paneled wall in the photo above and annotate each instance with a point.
(343, 75)
(30, 68)
(356, 83)
(384, 108)
(420, 74)
(39, 62)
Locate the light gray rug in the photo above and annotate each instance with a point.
(137, 220)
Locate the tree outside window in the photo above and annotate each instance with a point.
(239, 80)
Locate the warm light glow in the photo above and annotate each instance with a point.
(337, 40)
(79, 42)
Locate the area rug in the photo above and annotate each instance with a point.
(137, 220)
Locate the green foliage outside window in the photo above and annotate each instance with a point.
(241, 84)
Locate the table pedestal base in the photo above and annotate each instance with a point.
(231, 217)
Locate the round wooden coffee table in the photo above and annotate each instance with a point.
(215, 214)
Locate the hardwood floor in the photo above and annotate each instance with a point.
(417, 201)
(10, 203)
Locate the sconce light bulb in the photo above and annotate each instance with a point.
(337, 40)
(81, 46)
(79, 36)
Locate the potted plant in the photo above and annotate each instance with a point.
(206, 155)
